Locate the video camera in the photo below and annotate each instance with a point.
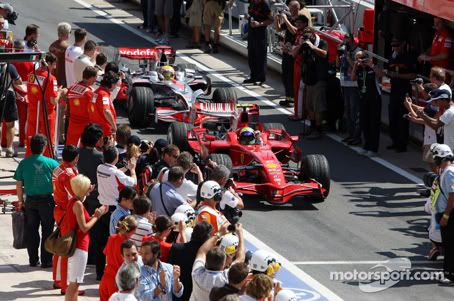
(11, 17)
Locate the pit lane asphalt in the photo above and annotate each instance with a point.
(372, 213)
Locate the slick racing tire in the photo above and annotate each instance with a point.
(316, 167)
(140, 105)
(177, 134)
(274, 125)
(225, 95)
(222, 159)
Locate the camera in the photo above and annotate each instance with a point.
(12, 17)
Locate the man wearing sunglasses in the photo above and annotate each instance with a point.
(168, 159)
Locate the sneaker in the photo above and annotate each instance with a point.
(347, 139)
(446, 281)
(354, 142)
(433, 254)
(286, 103)
(208, 48)
(370, 154)
(10, 153)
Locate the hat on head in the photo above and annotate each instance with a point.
(134, 139)
(439, 94)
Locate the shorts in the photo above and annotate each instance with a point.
(213, 14)
(8, 107)
(77, 265)
(316, 97)
(427, 154)
(195, 13)
(163, 8)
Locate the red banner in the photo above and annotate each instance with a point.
(440, 8)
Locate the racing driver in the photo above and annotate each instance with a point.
(167, 72)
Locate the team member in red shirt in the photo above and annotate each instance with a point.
(77, 217)
(41, 79)
(24, 69)
(101, 109)
(61, 178)
(114, 258)
(441, 50)
(79, 97)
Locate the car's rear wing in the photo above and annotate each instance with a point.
(224, 110)
(155, 53)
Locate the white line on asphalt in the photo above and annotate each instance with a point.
(359, 262)
(251, 238)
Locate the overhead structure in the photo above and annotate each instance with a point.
(440, 8)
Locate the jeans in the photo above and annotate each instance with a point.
(100, 235)
(287, 74)
(257, 51)
(38, 211)
(175, 23)
(447, 237)
(352, 111)
(370, 116)
(398, 125)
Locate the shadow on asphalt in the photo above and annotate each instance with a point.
(252, 203)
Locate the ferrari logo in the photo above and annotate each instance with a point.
(242, 158)
(271, 165)
(76, 102)
(31, 78)
(34, 90)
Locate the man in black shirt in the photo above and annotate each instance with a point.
(286, 23)
(237, 280)
(259, 18)
(169, 157)
(401, 69)
(314, 73)
(89, 160)
(184, 255)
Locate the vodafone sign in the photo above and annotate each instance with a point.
(138, 53)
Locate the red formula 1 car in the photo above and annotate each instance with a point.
(263, 168)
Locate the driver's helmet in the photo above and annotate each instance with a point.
(247, 136)
(168, 73)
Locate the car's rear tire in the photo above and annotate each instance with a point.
(222, 159)
(274, 125)
(225, 95)
(177, 134)
(140, 105)
(316, 167)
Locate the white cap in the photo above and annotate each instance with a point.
(440, 150)
(264, 262)
(209, 189)
(178, 217)
(286, 295)
(229, 243)
(187, 210)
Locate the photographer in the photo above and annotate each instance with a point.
(31, 38)
(370, 106)
(231, 202)
(314, 73)
(285, 21)
(345, 61)
(7, 12)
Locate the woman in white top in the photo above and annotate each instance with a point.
(127, 280)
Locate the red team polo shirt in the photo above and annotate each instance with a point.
(441, 43)
(100, 102)
(61, 178)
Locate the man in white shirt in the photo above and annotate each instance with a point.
(110, 181)
(88, 58)
(442, 99)
(72, 53)
(31, 38)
